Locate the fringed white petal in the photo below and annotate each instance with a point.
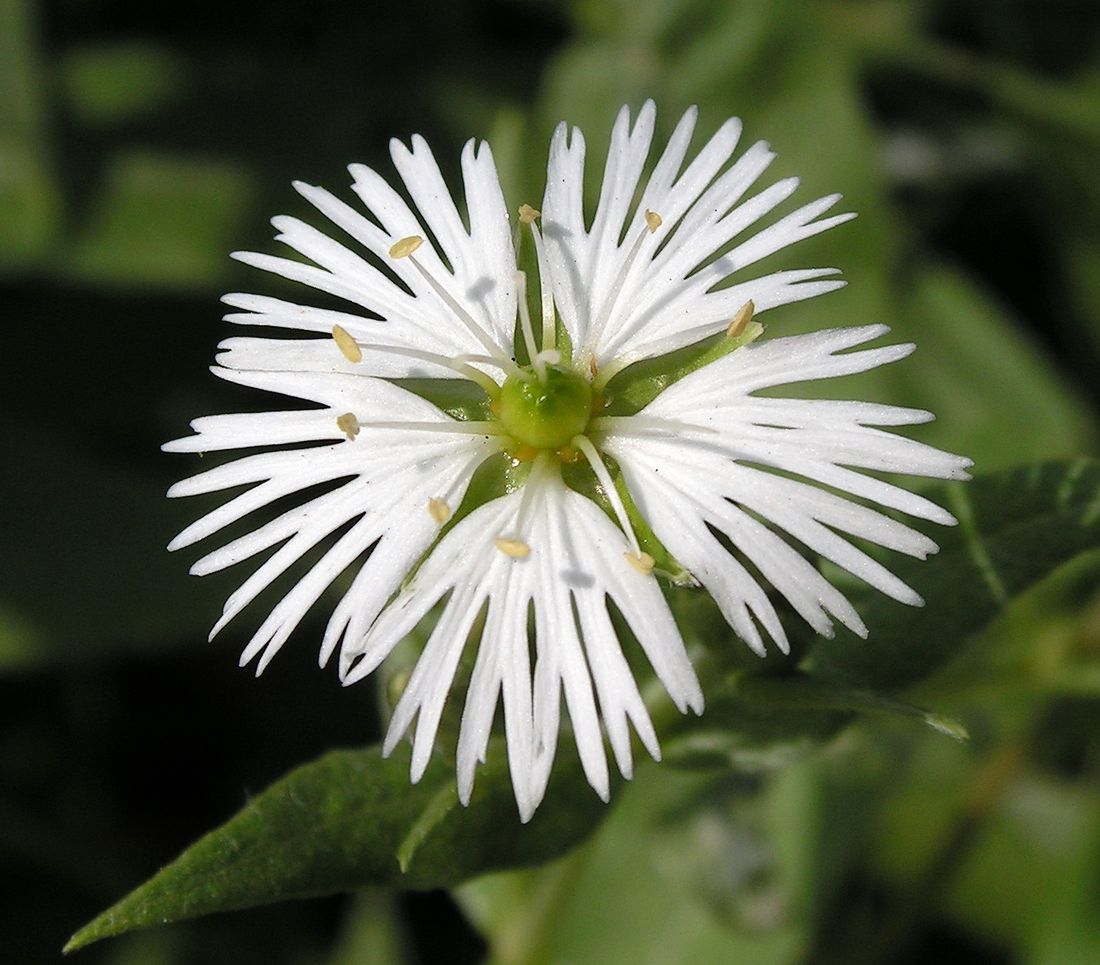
(383, 481)
(474, 266)
(717, 479)
(625, 292)
(574, 567)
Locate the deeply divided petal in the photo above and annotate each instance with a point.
(389, 300)
(380, 484)
(627, 289)
(753, 473)
(550, 553)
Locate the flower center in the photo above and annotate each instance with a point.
(546, 413)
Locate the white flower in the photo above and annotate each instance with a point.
(531, 571)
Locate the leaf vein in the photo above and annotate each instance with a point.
(976, 549)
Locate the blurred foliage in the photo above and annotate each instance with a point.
(139, 144)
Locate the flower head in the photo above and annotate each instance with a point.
(605, 484)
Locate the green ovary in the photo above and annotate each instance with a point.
(546, 414)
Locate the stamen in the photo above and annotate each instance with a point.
(457, 364)
(505, 365)
(585, 445)
(404, 249)
(525, 324)
(439, 510)
(527, 214)
(632, 424)
(452, 426)
(515, 548)
(653, 221)
(601, 376)
(546, 290)
(642, 562)
(741, 319)
(348, 424)
(347, 345)
(406, 246)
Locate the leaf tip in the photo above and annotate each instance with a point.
(947, 726)
(83, 936)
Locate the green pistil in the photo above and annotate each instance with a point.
(546, 414)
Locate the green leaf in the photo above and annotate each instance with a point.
(339, 824)
(758, 723)
(351, 819)
(689, 868)
(161, 221)
(1015, 528)
(108, 84)
(29, 199)
(1021, 409)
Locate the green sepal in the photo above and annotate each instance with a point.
(580, 477)
(498, 475)
(460, 398)
(631, 390)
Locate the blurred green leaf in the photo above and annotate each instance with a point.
(1032, 878)
(124, 81)
(1015, 528)
(1019, 409)
(29, 202)
(373, 932)
(687, 869)
(162, 221)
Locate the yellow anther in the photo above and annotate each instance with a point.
(653, 220)
(406, 246)
(741, 319)
(515, 548)
(439, 510)
(593, 366)
(527, 214)
(348, 424)
(642, 562)
(347, 345)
